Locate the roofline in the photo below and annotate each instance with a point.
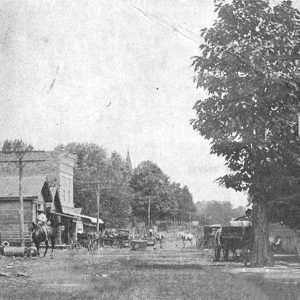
(17, 152)
(15, 198)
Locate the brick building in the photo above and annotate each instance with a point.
(47, 186)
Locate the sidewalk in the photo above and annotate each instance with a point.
(282, 281)
(286, 266)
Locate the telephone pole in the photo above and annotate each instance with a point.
(98, 195)
(149, 212)
(99, 188)
(98, 205)
(20, 162)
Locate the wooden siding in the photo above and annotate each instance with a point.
(9, 221)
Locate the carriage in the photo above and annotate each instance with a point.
(116, 237)
(88, 240)
(110, 237)
(233, 238)
(206, 236)
(123, 238)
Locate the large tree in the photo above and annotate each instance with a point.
(249, 67)
(151, 192)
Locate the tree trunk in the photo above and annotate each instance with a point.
(262, 255)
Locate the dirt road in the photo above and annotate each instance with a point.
(170, 273)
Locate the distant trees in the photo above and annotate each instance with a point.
(150, 189)
(217, 212)
(186, 206)
(16, 145)
(153, 191)
(125, 193)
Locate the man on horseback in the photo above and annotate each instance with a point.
(42, 221)
(42, 231)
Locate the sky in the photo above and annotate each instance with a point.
(116, 73)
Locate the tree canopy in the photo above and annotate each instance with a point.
(217, 212)
(167, 200)
(15, 146)
(249, 67)
(150, 184)
(94, 166)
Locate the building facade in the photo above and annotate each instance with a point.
(47, 186)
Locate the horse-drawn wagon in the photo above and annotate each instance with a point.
(123, 238)
(87, 240)
(233, 238)
(116, 237)
(206, 236)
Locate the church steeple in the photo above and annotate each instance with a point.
(128, 161)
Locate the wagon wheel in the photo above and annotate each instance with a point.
(217, 253)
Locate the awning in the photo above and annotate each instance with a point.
(92, 219)
(78, 216)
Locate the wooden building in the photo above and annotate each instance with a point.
(47, 185)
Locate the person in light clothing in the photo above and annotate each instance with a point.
(42, 221)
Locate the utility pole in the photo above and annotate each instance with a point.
(21, 215)
(20, 162)
(149, 211)
(98, 194)
(98, 205)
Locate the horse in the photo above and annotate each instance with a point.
(40, 234)
(159, 238)
(186, 237)
(95, 240)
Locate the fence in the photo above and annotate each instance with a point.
(290, 238)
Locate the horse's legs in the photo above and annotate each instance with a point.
(37, 248)
(234, 254)
(47, 245)
(52, 244)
